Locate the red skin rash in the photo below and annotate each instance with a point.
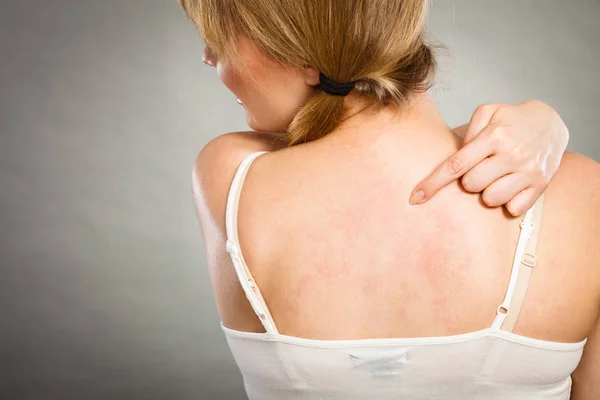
(370, 285)
(304, 285)
(442, 270)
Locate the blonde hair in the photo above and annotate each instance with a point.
(378, 43)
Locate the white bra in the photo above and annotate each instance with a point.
(485, 364)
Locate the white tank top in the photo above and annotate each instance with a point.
(492, 363)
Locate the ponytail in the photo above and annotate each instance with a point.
(321, 115)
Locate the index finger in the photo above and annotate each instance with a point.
(453, 168)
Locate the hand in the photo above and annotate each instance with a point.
(510, 153)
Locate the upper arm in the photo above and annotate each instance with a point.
(214, 170)
(585, 175)
(586, 378)
(212, 175)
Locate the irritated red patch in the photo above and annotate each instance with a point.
(325, 272)
(370, 285)
(444, 261)
(304, 285)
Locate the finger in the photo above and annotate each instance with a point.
(524, 201)
(452, 169)
(481, 118)
(485, 173)
(503, 190)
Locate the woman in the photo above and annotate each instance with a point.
(336, 287)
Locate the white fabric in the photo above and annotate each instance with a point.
(233, 246)
(526, 231)
(487, 364)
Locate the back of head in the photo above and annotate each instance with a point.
(379, 44)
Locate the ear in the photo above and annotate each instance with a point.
(209, 57)
(311, 76)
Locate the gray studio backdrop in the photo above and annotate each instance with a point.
(104, 105)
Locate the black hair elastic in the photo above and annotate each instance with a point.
(334, 88)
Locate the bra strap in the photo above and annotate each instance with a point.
(528, 263)
(524, 262)
(250, 287)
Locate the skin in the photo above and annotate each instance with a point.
(377, 273)
(509, 152)
(503, 160)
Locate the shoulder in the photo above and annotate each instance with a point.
(575, 192)
(216, 165)
(573, 161)
(578, 183)
(573, 198)
(578, 180)
(228, 150)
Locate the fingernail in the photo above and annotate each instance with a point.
(417, 197)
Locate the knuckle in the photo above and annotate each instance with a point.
(454, 166)
(499, 132)
(520, 155)
(508, 162)
(484, 109)
(499, 135)
(531, 167)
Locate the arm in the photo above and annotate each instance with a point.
(212, 175)
(586, 378)
(510, 153)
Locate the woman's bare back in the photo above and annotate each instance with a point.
(338, 252)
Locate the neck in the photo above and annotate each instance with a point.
(358, 111)
(419, 115)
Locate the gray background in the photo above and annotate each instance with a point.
(104, 105)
